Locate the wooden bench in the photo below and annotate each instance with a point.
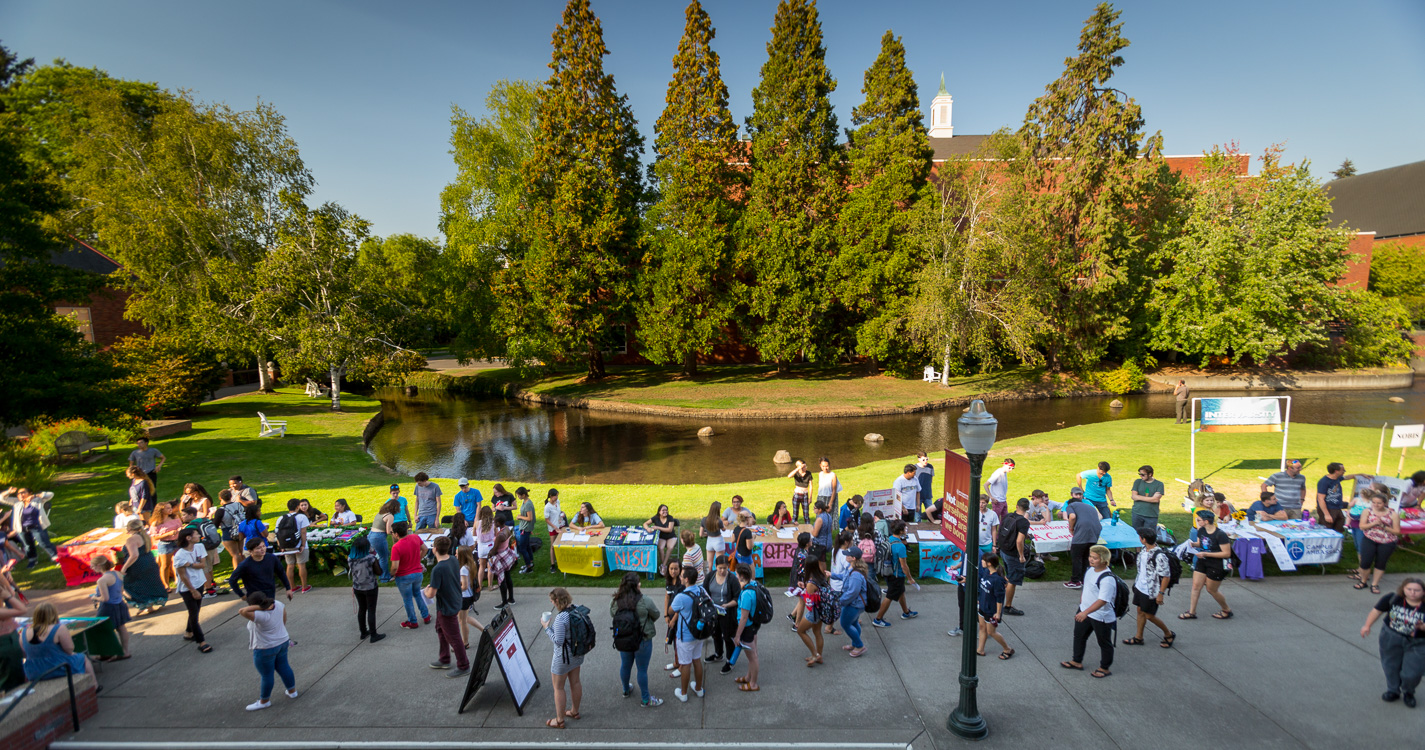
(271, 427)
(76, 443)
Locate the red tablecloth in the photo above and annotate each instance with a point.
(1414, 525)
(76, 554)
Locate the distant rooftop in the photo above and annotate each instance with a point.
(1389, 202)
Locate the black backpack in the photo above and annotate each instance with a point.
(628, 631)
(1175, 568)
(762, 614)
(1122, 597)
(704, 615)
(287, 535)
(1007, 533)
(873, 595)
(579, 638)
(209, 535)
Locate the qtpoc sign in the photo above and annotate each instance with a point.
(1241, 415)
(1407, 435)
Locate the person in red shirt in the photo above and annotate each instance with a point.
(406, 569)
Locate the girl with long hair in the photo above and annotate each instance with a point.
(814, 587)
(667, 528)
(630, 597)
(469, 591)
(712, 528)
(379, 536)
(142, 494)
(163, 529)
(484, 542)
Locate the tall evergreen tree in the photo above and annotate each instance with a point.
(888, 163)
(1091, 190)
(788, 228)
(686, 297)
(584, 186)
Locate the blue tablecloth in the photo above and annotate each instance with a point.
(641, 558)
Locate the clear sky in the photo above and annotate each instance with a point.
(367, 87)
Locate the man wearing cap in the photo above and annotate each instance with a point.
(468, 500)
(1289, 487)
(1085, 527)
(997, 487)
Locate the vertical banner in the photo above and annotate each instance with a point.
(956, 517)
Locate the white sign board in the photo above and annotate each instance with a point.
(884, 501)
(1407, 435)
(514, 661)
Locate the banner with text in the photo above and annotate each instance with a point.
(938, 559)
(1241, 414)
(884, 501)
(640, 558)
(956, 517)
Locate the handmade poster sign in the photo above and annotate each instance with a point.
(641, 558)
(938, 559)
(884, 501)
(1396, 487)
(501, 644)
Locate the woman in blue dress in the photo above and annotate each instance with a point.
(48, 647)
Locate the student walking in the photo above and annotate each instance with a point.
(501, 563)
(469, 592)
(364, 568)
(268, 639)
(444, 588)
(853, 600)
(188, 565)
(1153, 580)
(564, 665)
(1402, 639)
(991, 606)
(1210, 551)
(747, 627)
(406, 567)
(635, 625)
(895, 582)
(814, 589)
(1095, 614)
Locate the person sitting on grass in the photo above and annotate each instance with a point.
(1148, 588)
(1266, 509)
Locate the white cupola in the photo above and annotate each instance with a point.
(940, 108)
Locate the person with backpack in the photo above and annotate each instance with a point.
(207, 542)
(723, 588)
(364, 568)
(444, 588)
(1155, 577)
(1210, 550)
(1098, 613)
(897, 572)
(635, 625)
(228, 517)
(823, 529)
(565, 663)
(751, 602)
(993, 588)
(1013, 534)
(292, 539)
(693, 614)
(854, 587)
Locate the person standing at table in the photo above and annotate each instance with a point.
(468, 499)
(1330, 504)
(1182, 400)
(1209, 566)
(828, 486)
(1289, 486)
(1013, 533)
(555, 522)
(504, 504)
(801, 492)
(1153, 579)
(850, 513)
(1147, 499)
(1096, 614)
(292, 536)
(925, 474)
(906, 491)
(427, 502)
(268, 639)
(188, 565)
(823, 530)
(743, 545)
(997, 487)
(444, 588)
(1084, 529)
(29, 521)
(1402, 639)
(1380, 530)
(667, 528)
(148, 460)
(1097, 485)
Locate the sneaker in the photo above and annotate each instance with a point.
(652, 702)
(258, 706)
(712, 658)
(726, 668)
(697, 690)
(1072, 585)
(440, 665)
(878, 622)
(500, 607)
(377, 637)
(210, 594)
(554, 569)
(1013, 611)
(627, 690)
(362, 637)
(792, 619)
(680, 695)
(304, 589)
(1410, 700)
(409, 625)
(911, 615)
(954, 632)
(1389, 697)
(458, 673)
(1052, 558)
(292, 693)
(426, 619)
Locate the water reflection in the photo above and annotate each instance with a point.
(453, 436)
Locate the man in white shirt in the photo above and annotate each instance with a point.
(907, 492)
(925, 474)
(997, 487)
(1096, 613)
(989, 526)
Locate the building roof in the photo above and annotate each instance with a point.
(1389, 202)
(82, 257)
(961, 145)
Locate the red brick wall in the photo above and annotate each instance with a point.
(54, 723)
(106, 310)
(1358, 261)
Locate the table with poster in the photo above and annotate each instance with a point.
(580, 553)
(1290, 543)
(631, 548)
(935, 554)
(76, 554)
(94, 636)
(776, 548)
(1055, 536)
(331, 545)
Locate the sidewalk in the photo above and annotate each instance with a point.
(1289, 671)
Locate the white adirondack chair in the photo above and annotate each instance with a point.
(271, 427)
(931, 376)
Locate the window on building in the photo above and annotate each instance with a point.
(80, 316)
(616, 339)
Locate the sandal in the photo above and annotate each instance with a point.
(1360, 585)
(1071, 665)
(1188, 616)
(741, 680)
(554, 723)
(744, 687)
(1006, 655)
(205, 648)
(980, 653)
(1375, 589)
(572, 715)
(1168, 640)
(1225, 614)
(1100, 673)
(1134, 641)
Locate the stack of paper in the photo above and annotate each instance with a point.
(930, 536)
(787, 533)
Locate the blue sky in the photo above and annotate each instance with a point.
(367, 86)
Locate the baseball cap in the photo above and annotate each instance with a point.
(463, 482)
(1076, 491)
(852, 552)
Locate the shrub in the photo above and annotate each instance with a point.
(23, 464)
(44, 434)
(1373, 331)
(173, 378)
(1126, 379)
(1398, 271)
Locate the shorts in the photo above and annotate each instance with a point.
(165, 548)
(482, 549)
(468, 601)
(1149, 604)
(748, 642)
(1213, 574)
(987, 615)
(689, 651)
(227, 537)
(1013, 571)
(895, 587)
(301, 557)
(117, 614)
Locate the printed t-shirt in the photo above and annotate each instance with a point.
(907, 490)
(191, 579)
(1214, 542)
(747, 603)
(1331, 488)
(991, 591)
(1401, 617)
(1152, 569)
(1147, 489)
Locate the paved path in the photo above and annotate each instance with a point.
(1289, 671)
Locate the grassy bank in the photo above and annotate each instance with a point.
(322, 459)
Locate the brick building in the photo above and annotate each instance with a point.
(101, 317)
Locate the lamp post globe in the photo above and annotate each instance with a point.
(977, 436)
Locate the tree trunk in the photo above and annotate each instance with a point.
(873, 367)
(262, 382)
(945, 366)
(596, 362)
(690, 363)
(783, 367)
(336, 373)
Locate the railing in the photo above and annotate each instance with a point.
(68, 676)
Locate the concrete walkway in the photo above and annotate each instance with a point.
(1290, 670)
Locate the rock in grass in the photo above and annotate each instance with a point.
(1115, 404)
(782, 457)
(705, 432)
(874, 437)
(1396, 400)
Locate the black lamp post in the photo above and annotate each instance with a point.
(977, 436)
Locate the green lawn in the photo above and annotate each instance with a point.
(322, 459)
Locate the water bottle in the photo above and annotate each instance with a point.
(732, 660)
(1114, 520)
